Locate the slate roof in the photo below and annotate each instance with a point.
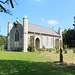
(40, 29)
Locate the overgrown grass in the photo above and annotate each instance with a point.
(30, 63)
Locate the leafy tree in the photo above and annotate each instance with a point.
(3, 40)
(69, 37)
(64, 37)
(2, 7)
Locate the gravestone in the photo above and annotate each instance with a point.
(40, 52)
(50, 50)
(61, 55)
(74, 51)
(65, 51)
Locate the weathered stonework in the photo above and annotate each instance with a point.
(25, 34)
(9, 34)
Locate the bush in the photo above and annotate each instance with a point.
(73, 43)
(65, 46)
(57, 47)
(41, 49)
(2, 47)
(57, 51)
(31, 48)
(19, 49)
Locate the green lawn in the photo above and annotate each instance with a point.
(53, 56)
(30, 63)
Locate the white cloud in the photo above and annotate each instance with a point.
(38, 0)
(52, 22)
(42, 19)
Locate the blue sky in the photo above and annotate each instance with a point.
(47, 13)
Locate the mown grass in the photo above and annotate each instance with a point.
(30, 63)
(53, 56)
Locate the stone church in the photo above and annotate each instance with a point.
(23, 33)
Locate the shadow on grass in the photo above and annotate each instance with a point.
(17, 67)
(65, 65)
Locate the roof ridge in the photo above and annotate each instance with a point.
(40, 26)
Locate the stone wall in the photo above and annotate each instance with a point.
(43, 40)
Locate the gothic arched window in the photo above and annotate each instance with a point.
(17, 36)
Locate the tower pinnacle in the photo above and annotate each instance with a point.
(25, 17)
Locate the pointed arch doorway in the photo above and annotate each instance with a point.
(37, 44)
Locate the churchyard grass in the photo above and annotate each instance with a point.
(30, 63)
(53, 56)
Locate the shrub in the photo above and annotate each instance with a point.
(2, 47)
(57, 51)
(57, 47)
(73, 43)
(41, 49)
(65, 46)
(19, 49)
(31, 48)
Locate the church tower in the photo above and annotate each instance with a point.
(25, 34)
(9, 29)
(60, 38)
(60, 32)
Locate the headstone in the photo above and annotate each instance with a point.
(40, 52)
(61, 55)
(74, 51)
(50, 50)
(65, 51)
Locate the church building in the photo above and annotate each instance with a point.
(22, 34)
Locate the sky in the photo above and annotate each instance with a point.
(47, 13)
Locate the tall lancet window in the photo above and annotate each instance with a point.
(17, 36)
(47, 41)
(41, 41)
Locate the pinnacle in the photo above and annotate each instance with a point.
(10, 21)
(60, 27)
(25, 16)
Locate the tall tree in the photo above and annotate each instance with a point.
(69, 37)
(64, 37)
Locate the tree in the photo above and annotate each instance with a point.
(69, 37)
(2, 7)
(64, 36)
(3, 40)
